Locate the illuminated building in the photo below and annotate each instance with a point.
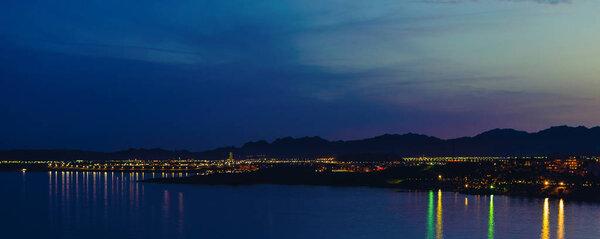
(571, 165)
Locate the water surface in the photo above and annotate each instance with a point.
(114, 205)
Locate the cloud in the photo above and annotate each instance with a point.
(466, 1)
(155, 31)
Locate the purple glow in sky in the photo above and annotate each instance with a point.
(107, 75)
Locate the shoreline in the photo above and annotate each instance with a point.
(380, 180)
(308, 177)
(396, 189)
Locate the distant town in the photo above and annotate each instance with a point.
(545, 176)
(561, 162)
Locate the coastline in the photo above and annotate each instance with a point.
(308, 177)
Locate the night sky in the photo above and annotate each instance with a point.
(109, 75)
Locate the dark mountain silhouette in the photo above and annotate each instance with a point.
(151, 154)
(501, 133)
(560, 140)
(155, 153)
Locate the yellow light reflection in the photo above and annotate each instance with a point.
(545, 221)
(561, 220)
(439, 233)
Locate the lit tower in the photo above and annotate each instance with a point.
(230, 159)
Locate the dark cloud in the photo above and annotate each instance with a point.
(106, 103)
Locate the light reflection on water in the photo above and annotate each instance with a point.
(114, 205)
(491, 219)
(560, 231)
(430, 216)
(439, 229)
(439, 225)
(546, 221)
(105, 191)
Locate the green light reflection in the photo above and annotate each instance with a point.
(491, 219)
(430, 216)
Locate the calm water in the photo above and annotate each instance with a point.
(113, 205)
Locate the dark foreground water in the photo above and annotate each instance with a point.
(114, 205)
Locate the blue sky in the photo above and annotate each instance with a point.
(107, 75)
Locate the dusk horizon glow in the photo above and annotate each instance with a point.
(197, 75)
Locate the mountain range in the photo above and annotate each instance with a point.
(559, 140)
